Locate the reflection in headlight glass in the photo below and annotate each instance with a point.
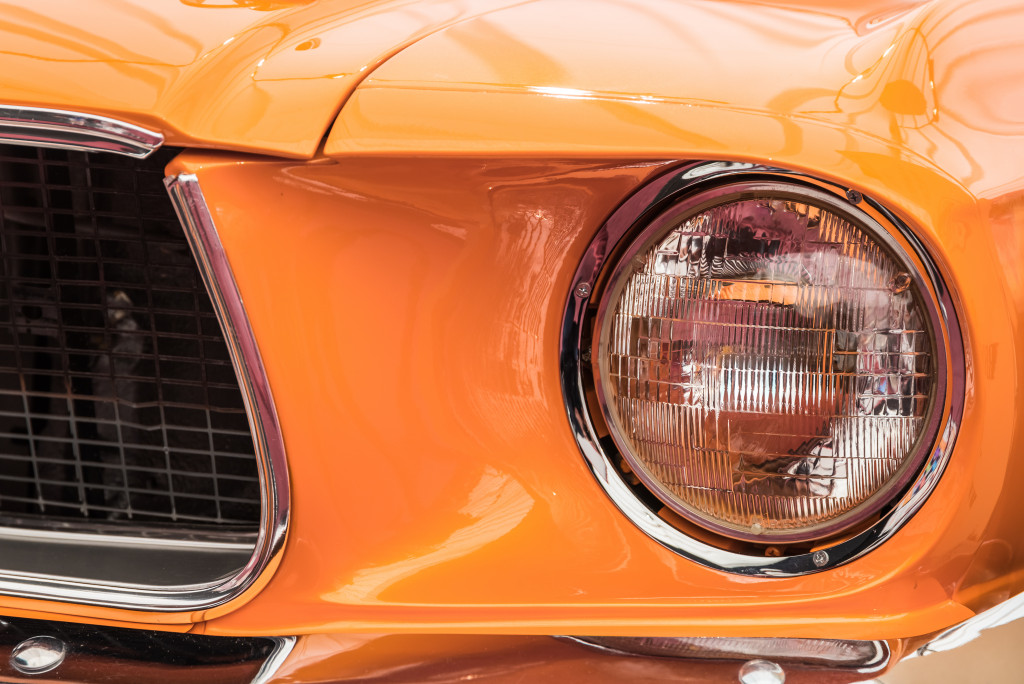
(766, 367)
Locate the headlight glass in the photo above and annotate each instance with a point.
(765, 362)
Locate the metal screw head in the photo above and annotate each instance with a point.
(583, 290)
(820, 558)
(854, 196)
(38, 654)
(761, 672)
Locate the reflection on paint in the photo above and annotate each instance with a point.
(495, 506)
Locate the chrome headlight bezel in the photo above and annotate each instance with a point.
(625, 233)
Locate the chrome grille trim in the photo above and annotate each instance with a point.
(87, 133)
(75, 131)
(188, 200)
(181, 559)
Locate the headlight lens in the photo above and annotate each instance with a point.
(765, 362)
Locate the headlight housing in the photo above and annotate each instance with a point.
(762, 363)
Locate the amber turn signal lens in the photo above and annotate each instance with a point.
(765, 364)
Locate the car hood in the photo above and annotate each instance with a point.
(791, 81)
(264, 76)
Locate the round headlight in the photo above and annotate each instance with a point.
(768, 361)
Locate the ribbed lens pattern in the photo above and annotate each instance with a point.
(768, 366)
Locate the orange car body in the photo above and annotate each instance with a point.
(404, 191)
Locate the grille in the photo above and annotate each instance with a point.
(118, 399)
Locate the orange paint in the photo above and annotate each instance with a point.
(406, 287)
(264, 76)
(408, 325)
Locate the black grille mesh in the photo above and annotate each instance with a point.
(118, 400)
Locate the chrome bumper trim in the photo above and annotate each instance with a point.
(861, 657)
(75, 131)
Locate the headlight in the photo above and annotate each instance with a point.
(766, 359)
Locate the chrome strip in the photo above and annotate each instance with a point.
(75, 131)
(132, 575)
(276, 659)
(114, 540)
(643, 206)
(967, 631)
(201, 232)
(873, 656)
(222, 537)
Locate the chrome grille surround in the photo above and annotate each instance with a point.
(199, 570)
(119, 402)
(75, 131)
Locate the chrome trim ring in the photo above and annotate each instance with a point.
(75, 131)
(574, 360)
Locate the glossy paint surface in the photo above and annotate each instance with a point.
(409, 324)
(407, 295)
(947, 168)
(263, 76)
(941, 82)
(917, 104)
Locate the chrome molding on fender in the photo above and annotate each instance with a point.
(75, 131)
(574, 361)
(202, 236)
